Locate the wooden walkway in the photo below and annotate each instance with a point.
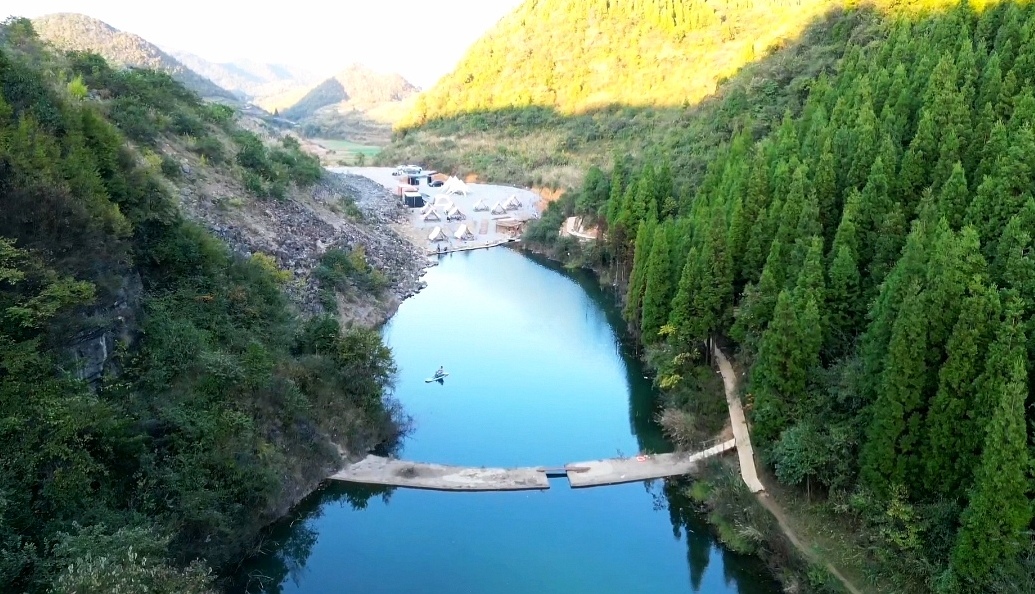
(400, 473)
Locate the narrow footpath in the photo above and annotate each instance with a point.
(750, 475)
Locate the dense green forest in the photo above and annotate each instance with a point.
(871, 260)
(220, 407)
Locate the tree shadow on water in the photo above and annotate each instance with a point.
(284, 550)
(745, 573)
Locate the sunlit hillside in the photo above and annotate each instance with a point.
(556, 86)
(577, 55)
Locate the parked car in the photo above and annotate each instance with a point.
(436, 183)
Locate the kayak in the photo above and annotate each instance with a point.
(436, 378)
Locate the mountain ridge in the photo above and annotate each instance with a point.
(253, 80)
(71, 31)
(358, 86)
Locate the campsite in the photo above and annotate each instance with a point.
(447, 215)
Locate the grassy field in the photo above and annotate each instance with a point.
(348, 151)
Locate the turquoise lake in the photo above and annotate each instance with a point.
(538, 376)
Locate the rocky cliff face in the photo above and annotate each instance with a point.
(113, 326)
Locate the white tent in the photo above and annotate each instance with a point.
(437, 235)
(512, 203)
(454, 186)
(432, 215)
(498, 209)
(480, 206)
(443, 201)
(455, 214)
(463, 233)
(428, 207)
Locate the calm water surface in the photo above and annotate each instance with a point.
(537, 376)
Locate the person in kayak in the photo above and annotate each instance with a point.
(440, 372)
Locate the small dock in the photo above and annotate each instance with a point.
(400, 473)
(615, 471)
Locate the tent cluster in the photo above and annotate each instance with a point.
(512, 203)
(463, 233)
(454, 186)
(499, 209)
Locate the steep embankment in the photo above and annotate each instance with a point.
(161, 397)
(78, 32)
(871, 259)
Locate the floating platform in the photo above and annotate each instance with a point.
(400, 473)
(598, 473)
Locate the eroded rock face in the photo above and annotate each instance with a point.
(298, 230)
(91, 352)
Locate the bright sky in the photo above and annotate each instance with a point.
(422, 40)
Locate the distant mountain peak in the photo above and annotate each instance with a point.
(357, 84)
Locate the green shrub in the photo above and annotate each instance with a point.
(254, 184)
(185, 123)
(135, 120)
(211, 148)
(171, 167)
(338, 270)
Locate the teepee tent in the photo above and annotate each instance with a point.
(512, 203)
(454, 214)
(437, 235)
(478, 206)
(499, 209)
(432, 215)
(454, 186)
(443, 201)
(463, 233)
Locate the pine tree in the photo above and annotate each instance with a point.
(1014, 263)
(874, 205)
(843, 301)
(776, 377)
(918, 160)
(824, 183)
(714, 293)
(892, 439)
(955, 197)
(657, 295)
(999, 511)
(954, 426)
(638, 276)
(685, 319)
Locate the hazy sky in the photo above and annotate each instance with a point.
(420, 40)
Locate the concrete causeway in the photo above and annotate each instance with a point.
(377, 470)
(399, 473)
(640, 468)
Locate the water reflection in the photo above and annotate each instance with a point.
(285, 552)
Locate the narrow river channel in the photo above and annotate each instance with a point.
(538, 375)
